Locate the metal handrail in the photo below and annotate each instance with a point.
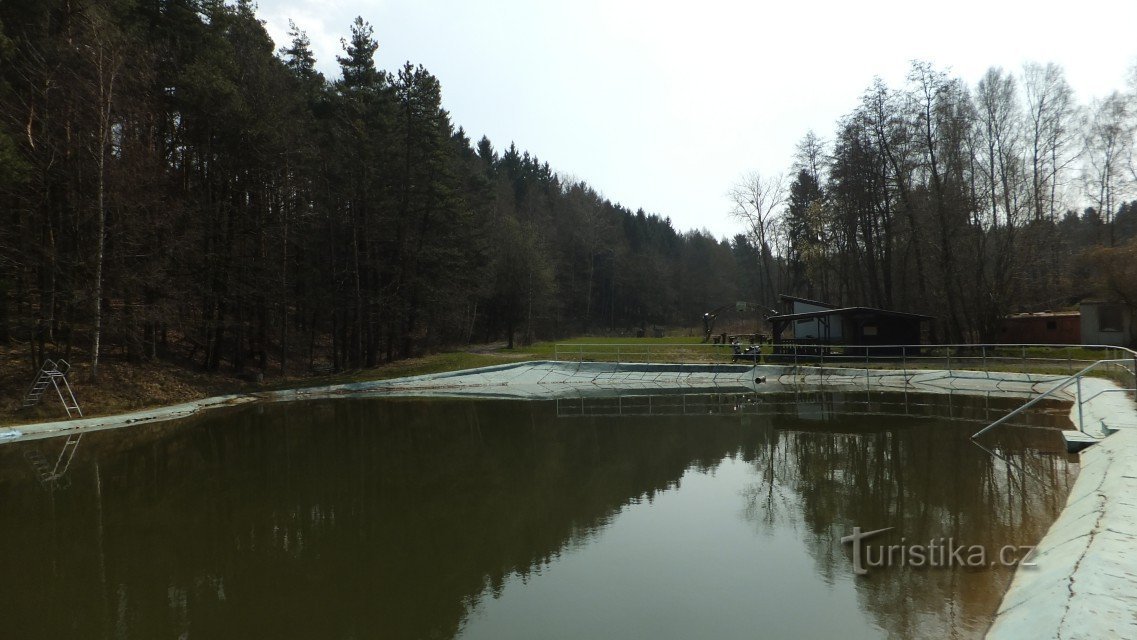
(570, 347)
(1104, 391)
(901, 355)
(858, 346)
(580, 349)
(1075, 378)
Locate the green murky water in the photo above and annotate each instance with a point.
(713, 516)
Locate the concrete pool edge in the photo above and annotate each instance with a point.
(543, 379)
(1085, 579)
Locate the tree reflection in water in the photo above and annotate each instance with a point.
(924, 478)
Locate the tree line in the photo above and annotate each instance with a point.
(173, 185)
(962, 202)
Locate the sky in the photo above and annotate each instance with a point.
(664, 106)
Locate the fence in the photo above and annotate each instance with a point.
(1118, 364)
(809, 405)
(1021, 358)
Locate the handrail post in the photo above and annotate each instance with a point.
(1080, 420)
(904, 363)
(1135, 373)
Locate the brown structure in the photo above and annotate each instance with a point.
(1048, 327)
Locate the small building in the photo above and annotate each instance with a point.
(810, 328)
(1048, 327)
(853, 326)
(1108, 323)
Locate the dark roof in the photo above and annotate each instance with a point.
(851, 311)
(1043, 314)
(807, 301)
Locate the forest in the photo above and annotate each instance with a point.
(175, 184)
(964, 203)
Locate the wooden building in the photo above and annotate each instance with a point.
(1048, 327)
(853, 326)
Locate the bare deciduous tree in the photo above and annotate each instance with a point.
(1051, 130)
(757, 203)
(1108, 145)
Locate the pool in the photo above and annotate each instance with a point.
(668, 516)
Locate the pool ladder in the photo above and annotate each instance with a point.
(55, 476)
(53, 374)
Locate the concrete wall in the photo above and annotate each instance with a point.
(1092, 332)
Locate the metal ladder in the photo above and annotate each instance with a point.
(54, 374)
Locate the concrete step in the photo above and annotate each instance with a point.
(1076, 440)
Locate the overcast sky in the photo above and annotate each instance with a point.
(664, 106)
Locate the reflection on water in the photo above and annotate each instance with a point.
(437, 519)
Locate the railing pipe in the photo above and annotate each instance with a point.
(1076, 378)
(1078, 399)
(1109, 391)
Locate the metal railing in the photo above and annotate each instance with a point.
(1077, 361)
(1075, 379)
(1054, 359)
(811, 405)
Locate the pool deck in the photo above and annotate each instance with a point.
(1083, 584)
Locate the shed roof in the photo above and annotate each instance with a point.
(1044, 314)
(816, 303)
(851, 311)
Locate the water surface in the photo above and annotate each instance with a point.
(702, 515)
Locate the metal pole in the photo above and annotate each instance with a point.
(1135, 372)
(904, 364)
(1081, 422)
